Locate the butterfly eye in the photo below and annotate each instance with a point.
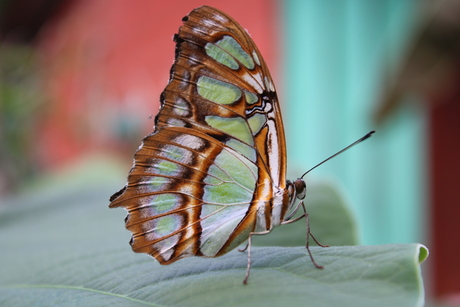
(300, 188)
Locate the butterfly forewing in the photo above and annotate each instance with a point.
(207, 176)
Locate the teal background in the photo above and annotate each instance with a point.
(336, 57)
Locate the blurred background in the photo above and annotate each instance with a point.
(80, 78)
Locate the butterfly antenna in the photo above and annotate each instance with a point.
(368, 135)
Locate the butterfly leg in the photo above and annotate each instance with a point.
(307, 222)
(309, 234)
(248, 247)
(245, 248)
(308, 243)
(288, 218)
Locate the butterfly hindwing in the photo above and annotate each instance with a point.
(206, 177)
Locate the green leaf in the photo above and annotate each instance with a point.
(63, 246)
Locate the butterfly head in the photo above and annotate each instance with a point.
(300, 188)
(296, 190)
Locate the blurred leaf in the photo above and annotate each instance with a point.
(63, 246)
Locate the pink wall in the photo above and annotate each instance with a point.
(106, 63)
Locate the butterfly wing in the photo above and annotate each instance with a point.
(206, 177)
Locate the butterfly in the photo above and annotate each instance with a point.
(213, 172)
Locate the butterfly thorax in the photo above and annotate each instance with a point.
(284, 200)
